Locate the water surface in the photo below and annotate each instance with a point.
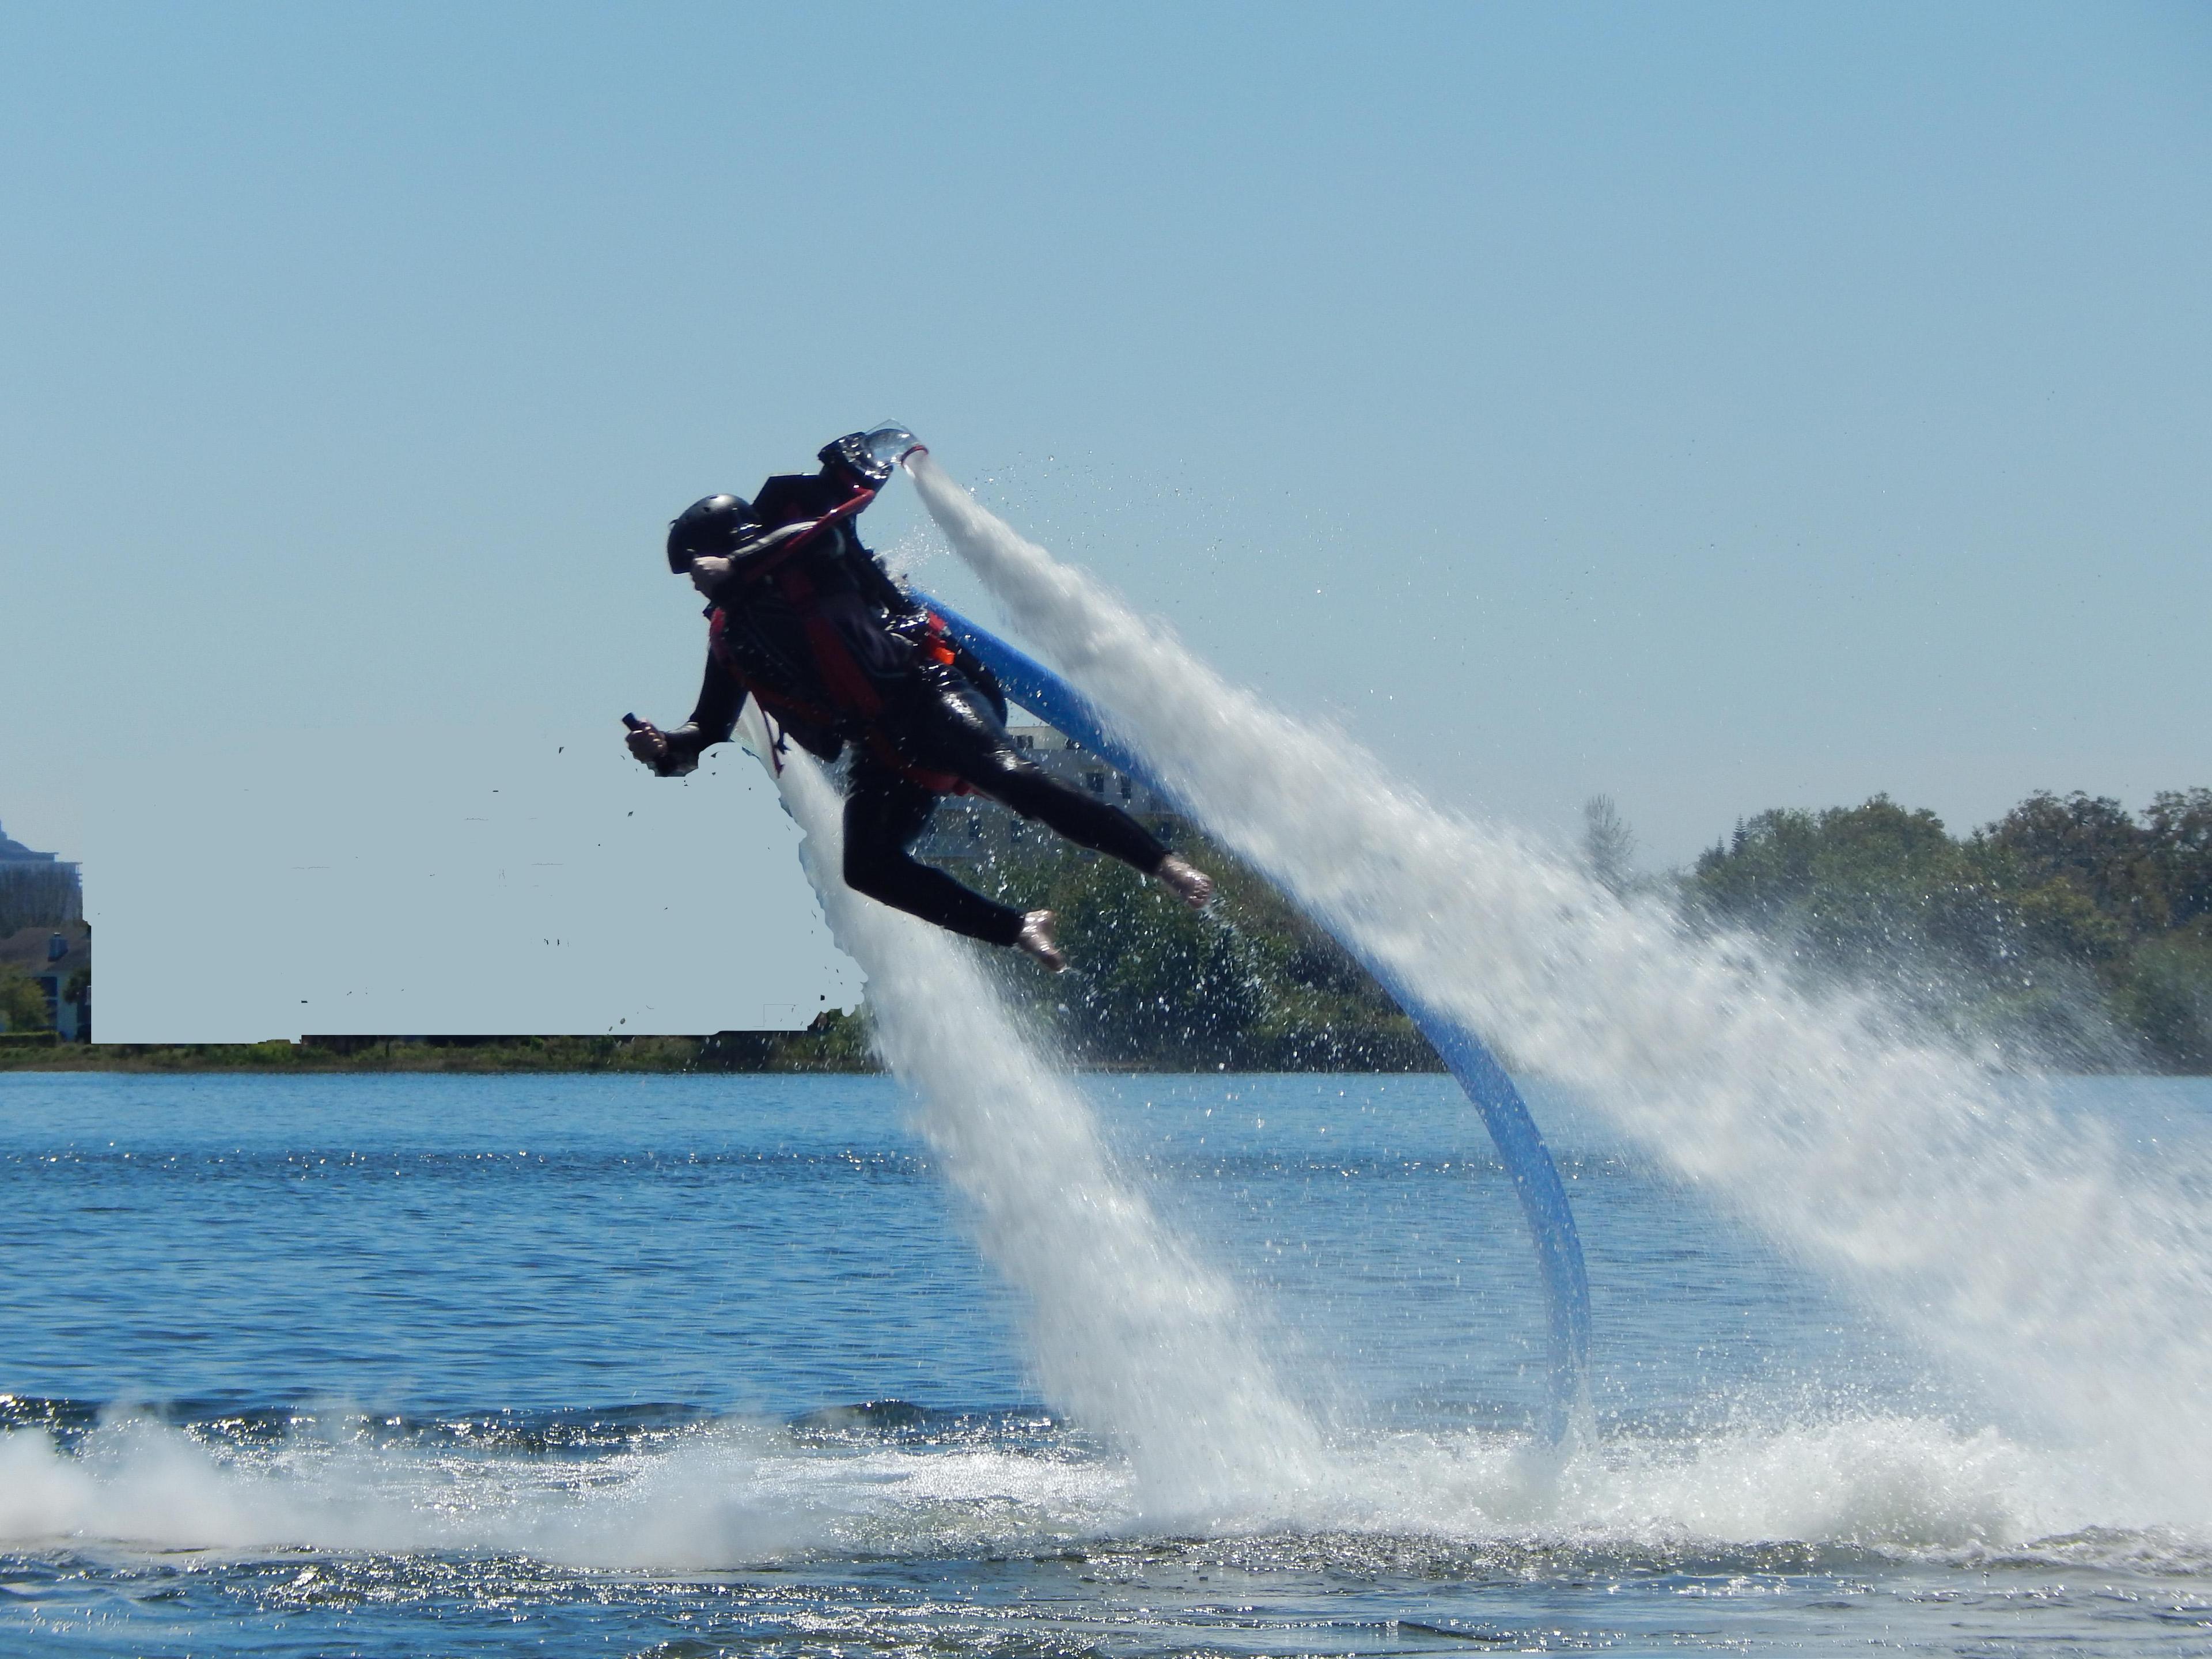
(688, 1367)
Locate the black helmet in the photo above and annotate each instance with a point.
(715, 526)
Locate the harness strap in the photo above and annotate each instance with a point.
(785, 708)
(768, 696)
(937, 644)
(848, 685)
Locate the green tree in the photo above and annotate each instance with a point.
(1250, 985)
(2068, 927)
(22, 1003)
(1851, 884)
(2164, 992)
(1608, 844)
(2179, 825)
(2092, 844)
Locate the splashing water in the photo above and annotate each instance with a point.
(711, 1495)
(1129, 1332)
(699, 1499)
(2069, 1284)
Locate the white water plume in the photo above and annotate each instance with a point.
(1130, 1333)
(2073, 1286)
(727, 1495)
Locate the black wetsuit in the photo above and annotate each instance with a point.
(837, 652)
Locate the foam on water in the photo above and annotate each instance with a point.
(708, 1497)
(726, 1495)
(1129, 1332)
(2071, 1285)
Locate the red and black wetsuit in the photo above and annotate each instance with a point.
(836, 653)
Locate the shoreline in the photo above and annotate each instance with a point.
(757, 1053)
(788, 1053)
(728, 1051)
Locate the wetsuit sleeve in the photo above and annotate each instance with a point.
(722, 699)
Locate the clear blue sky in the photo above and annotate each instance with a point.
(1720, 407)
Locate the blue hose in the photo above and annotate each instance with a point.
(1520, 1144)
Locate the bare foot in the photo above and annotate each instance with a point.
(1035, 940)
(1186, 881)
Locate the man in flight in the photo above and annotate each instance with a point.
(805, 620)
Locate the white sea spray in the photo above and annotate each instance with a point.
(2067, 1282)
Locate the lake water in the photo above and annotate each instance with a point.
(693, 1366)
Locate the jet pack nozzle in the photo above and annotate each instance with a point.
(871, 456)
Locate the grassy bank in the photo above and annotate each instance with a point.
(838, 1044)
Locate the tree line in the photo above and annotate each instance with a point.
(1251, 985)
(2071, 931)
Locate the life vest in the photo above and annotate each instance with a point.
(855, 702)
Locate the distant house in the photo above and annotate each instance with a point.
(70, 1016)
(37, 889)
(967, 828)
(42, 933)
